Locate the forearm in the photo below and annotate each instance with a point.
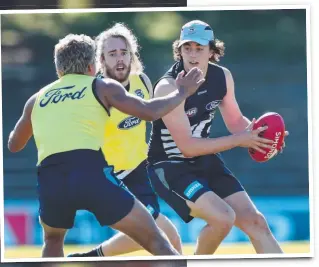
(240, 125)
(160, 106)
(205, 146)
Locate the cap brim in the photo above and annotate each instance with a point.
(199, 41)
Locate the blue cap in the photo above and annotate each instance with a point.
(196, 31)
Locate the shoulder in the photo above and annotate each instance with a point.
(165, 86)
(225, 71)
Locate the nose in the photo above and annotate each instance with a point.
(120, 58)
(193, 53)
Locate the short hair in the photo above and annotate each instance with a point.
(119, 30)
(73, 54)
(217, 46)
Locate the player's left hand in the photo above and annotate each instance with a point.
(284, 144)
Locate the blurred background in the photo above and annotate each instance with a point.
(266, 53)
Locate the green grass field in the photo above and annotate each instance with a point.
(225, 249)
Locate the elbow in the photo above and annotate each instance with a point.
(13, 149)
(151, 115)
(148, 117)
(187, 152)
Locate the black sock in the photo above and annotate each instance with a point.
(97, 252)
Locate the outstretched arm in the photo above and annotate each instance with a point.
(22, 131)
(112, 93)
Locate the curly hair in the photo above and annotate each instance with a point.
(217, 46)
(73, 54)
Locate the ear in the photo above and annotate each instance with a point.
(91, 69)
(102, 58)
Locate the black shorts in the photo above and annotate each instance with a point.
(80, 180)
(139, 184)
(178, 181)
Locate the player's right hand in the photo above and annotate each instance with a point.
(191, 81)
(250, 138)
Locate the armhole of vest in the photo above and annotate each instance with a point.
(143, 81)
(163, 77)
(96, 96)
(224, 80)
(34, 104)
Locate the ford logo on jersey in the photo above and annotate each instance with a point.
(213, 105)
(129, 123)
(139, 93)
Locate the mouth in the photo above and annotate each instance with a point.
(120, 68)
(193, 63)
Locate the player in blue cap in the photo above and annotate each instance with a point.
(185, 166)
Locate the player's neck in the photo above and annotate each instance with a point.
(125, 83)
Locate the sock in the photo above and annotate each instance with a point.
(96, 252)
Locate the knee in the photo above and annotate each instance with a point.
(224, 221)
(253, 221)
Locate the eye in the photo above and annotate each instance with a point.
(124, 53)
(112, 54)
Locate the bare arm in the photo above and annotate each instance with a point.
(112, 93)
(229, 109)
(179, 127)
(22, 131)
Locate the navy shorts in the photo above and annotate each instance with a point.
(178, 181)
(139, 184)
(80, 180)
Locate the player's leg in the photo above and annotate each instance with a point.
(220, 218)
(141, 227)
(190, 197)
(248, 218)
(253, 223)
(56, 210)
(171, 231)
(116, 207)
(138, 183)
(122, 244)
(53, 241)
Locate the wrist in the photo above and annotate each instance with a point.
(236, 138)
(182, 91)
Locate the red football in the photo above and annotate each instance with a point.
(275, 132)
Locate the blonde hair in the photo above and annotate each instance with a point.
(73, 54)
(119, 30)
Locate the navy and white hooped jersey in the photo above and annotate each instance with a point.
(200, 109)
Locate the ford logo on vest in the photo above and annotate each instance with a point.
(57, 95)
(129, 123)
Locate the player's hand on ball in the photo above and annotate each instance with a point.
(284, 144)
(250, 138)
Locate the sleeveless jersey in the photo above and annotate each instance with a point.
(125, 144)
(200, 109)
(68, 116)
